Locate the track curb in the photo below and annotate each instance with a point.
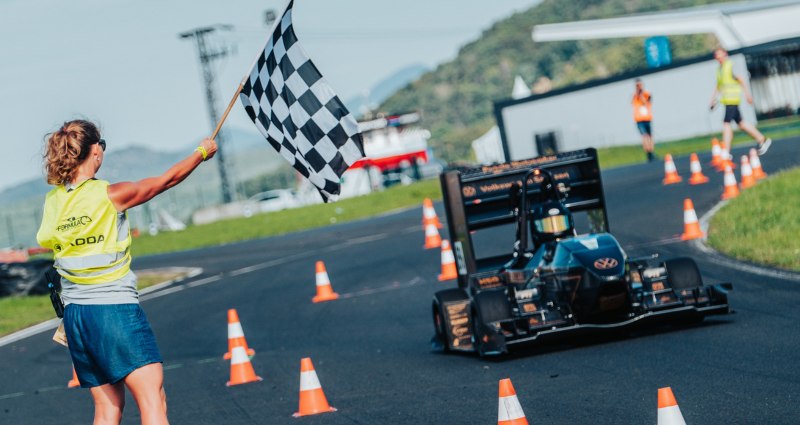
(726, 261)
(53, 323)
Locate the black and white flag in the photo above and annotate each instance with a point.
(298, 112)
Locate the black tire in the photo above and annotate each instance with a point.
(487, 306)
(682, 273)
(492, 305)
(439, 299)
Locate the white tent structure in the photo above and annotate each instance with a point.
(488, 148)
(520, 89)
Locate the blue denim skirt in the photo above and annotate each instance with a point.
(107, 342)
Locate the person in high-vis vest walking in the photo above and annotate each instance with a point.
(86, 225)
(643, 115)
(729, 90)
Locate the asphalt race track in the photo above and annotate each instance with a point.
(371, 347)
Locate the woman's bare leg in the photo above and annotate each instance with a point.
(109, 401)
(147, 386)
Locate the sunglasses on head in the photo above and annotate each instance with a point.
(102, 143)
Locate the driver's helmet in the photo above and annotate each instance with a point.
(550, 221)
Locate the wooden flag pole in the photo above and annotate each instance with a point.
(228, 110)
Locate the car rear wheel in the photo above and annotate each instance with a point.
(439, 300)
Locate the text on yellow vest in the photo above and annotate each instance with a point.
(89, 238)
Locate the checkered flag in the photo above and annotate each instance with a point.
(298, 112)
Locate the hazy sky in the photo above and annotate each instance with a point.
(121, 63)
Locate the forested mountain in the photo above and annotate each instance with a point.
(457, 97)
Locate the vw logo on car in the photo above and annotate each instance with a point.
(605, 263)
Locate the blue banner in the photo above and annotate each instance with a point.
(657, 51)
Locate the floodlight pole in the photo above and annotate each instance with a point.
(207, 56)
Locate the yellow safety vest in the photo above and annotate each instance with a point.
(729, 87)
(82, 227)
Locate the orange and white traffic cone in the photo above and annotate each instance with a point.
(668, 411)
(448, 263)
(697, 171)
(716, 153)
(755, 164)
(429, 214)
(731, 188)
(312, 399)
(432, 238)
(324, 288)
(509, 411)
(670, 172)
(691, 226)
(723, 159)
(236, 335)
(74, 381)
(726, 160)
(241, 369)
(748, 180)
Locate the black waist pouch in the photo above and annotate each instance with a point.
(54, 284)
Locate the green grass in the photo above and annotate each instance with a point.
(20, 312)
(775, 128)
(286, 221)
(762, 224)
(271, 224)
(146, 279)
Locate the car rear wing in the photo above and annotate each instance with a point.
(480, 198)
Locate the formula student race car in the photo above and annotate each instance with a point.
(556, 284)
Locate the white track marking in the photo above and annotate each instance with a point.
(201, 282)
(365, 239)
(268, 264)
(659, 242)
(161, 293)
(190, 273)
(12, 395)
(54, 388)
(33, 330)
(415, 281)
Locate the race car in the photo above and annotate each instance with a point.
(551, 283)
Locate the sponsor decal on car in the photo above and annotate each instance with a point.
(605, 263)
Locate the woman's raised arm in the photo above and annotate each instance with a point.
(125, 195)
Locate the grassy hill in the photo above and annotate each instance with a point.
(457, 97)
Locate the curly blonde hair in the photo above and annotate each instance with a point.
(67, 148)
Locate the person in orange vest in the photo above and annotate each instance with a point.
(729, 89)
(643, 115)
